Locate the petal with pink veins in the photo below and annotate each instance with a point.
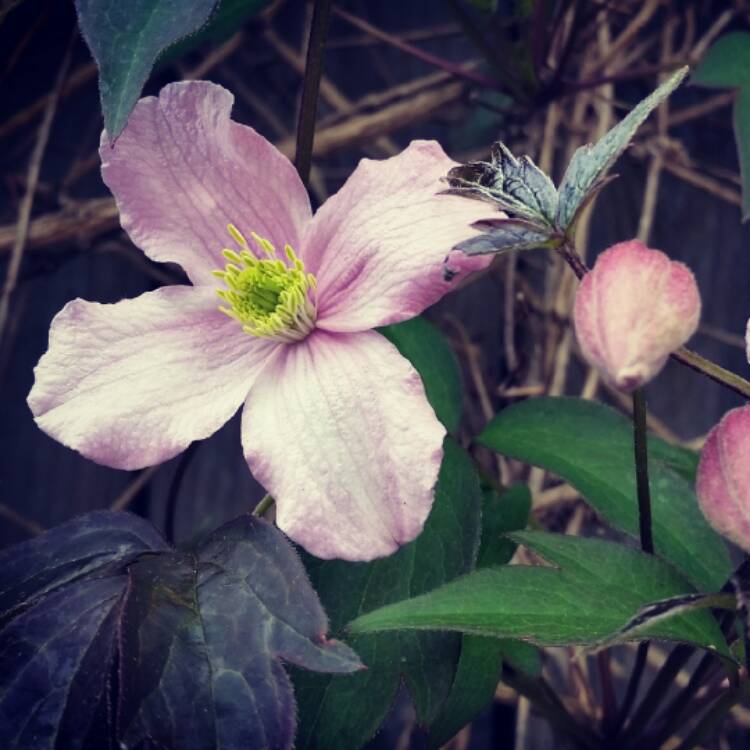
(339, 431)
(132, 384)
(378, 246)
(182, 170)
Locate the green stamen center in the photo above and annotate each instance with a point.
(271, 298)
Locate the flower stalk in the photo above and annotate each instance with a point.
(640, 445)
(316, 48)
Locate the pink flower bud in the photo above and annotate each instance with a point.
(632, 310)
(723, 482)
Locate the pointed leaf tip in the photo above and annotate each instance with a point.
(590, 163)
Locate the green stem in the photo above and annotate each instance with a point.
(712, 370)
(316, 49)
(263, 506)
(640, 449)
(640, 444)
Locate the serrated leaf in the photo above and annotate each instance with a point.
(125, 39)
(591, 162)
(426, 348)
(249, 569)
(514, 185)
(227, 18)
(199, 639)
(590, 446)
(72, 550)
(506, 235)
(594, 590)
(161, 643)
(332, 711)
(54, 661)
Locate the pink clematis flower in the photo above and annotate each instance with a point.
(335, 423)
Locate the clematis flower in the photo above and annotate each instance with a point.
(335, 422)
(723, 479)
(632, 310)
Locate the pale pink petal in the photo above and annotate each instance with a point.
(747, 341)
(182, 170)
(634, 309)
(377, 247)
(339, 431)
(133, 384)
(723, 480)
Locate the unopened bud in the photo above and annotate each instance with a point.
(632, 310)
(723, 482)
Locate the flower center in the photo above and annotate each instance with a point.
(271, 298)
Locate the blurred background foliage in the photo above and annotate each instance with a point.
(544, 76)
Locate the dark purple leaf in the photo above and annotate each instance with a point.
(54, 662)
(75, 549)
(164, 676)
(197, 639)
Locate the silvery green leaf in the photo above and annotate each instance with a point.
(515, 185)
(591, 162)
(505, 235)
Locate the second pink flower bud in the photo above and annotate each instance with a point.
(632, 310)
(723, 482)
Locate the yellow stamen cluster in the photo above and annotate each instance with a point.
(271, 298)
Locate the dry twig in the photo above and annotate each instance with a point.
(32, 177)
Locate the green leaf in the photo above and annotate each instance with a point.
(590, 446)
(426, 348)
(742, 138)
(125, 39)
(225, 20)
(501, 514)
(591, 162)
(523, 657)
(596, 589)
(727, 63)
(346, 711)
(473, 688)
(478, 669)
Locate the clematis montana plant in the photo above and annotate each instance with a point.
(406, 572)
(279, 317)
